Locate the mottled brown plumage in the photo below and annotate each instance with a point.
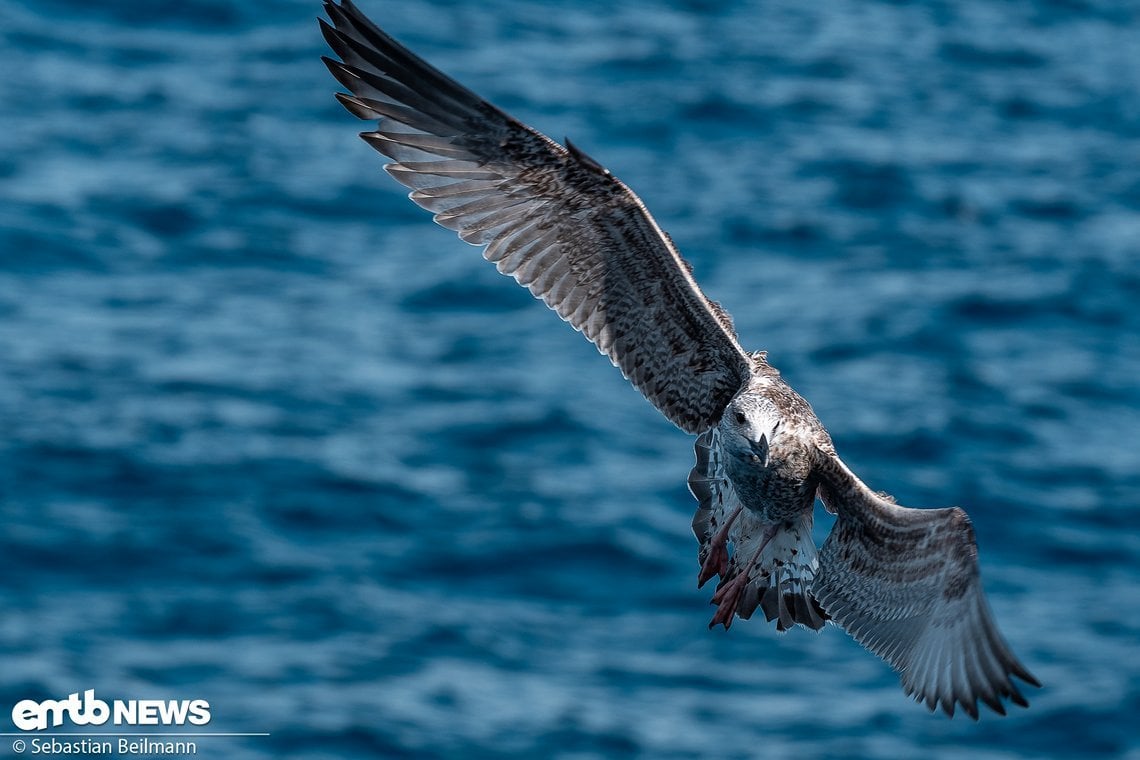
(903, 582)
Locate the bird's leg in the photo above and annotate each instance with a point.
(728, 593)
(716, 561)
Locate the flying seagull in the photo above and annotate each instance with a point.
(904, 582)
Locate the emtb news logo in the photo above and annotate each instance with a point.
(30, 715)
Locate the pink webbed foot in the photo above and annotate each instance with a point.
(727, 599)
(716, 561)
(729, 592)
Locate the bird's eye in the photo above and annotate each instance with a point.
(740, 418)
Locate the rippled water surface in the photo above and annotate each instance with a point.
(272, 439)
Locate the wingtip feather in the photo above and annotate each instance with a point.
(357, 107)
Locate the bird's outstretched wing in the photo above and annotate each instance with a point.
(549, 216)
(905, 583)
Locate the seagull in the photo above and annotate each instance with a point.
(903, 582)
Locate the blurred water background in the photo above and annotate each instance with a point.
(272, 439)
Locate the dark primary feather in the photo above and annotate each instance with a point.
(552, 218)
(905, 583)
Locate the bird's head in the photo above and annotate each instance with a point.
(751, 430)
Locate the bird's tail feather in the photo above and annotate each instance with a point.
(781, 577)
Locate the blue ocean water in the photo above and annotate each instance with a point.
(272, 439)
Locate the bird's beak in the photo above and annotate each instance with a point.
(760, 450)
